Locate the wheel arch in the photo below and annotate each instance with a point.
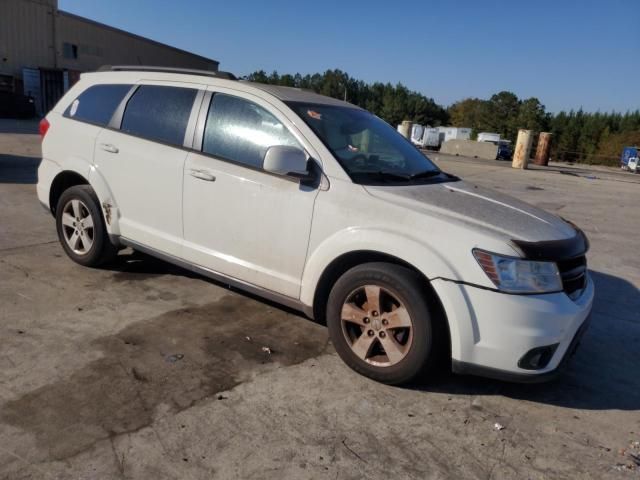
(340, 265)
(69, 178)
(366, 242)
(61, 182)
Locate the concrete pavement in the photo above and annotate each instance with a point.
(143, 370)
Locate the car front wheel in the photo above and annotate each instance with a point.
(380, 323)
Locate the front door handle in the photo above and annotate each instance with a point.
(202, 175)
(107, 147)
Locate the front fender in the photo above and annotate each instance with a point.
(411, 250)
(408, 249)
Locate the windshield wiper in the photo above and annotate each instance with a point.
(404, 177)
(425, 174)
(386, 175)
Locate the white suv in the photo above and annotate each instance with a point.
(321, 206)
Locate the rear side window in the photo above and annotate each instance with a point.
(242, 131)
(97, 104)
(159, 113)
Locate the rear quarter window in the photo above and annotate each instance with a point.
(97, 103)
(160, 113)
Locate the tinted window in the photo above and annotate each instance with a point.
(159, 113)
(242, 131)
(96, 104)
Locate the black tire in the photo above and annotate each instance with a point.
(101, 250)
(427, 342)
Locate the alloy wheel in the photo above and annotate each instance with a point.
(376, 325)
(77, 226)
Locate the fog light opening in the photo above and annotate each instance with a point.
(537, 358)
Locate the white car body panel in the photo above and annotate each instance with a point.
(146, 184)
(247, 224)
(495, 329)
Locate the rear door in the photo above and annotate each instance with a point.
(143, 160)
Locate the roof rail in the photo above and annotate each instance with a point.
(148, 68)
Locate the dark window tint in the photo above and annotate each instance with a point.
(159, 113)
(96, 104)
(242, 131)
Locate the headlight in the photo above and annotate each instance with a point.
(514, 275)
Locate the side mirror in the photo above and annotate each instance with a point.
(285, 160)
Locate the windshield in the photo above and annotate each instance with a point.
(369, 149)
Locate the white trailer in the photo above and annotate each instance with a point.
(425, 137)
(431, 138)
(489, 137)
(416, 134)
(454, 133)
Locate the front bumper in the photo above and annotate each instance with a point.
(463, 368)
(492, 331)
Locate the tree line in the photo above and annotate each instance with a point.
(578, 136)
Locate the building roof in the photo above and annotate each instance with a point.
(133, 35)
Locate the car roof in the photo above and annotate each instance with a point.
(285, 94)
(294, 94)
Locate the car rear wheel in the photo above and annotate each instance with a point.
(380, 323)
(81, 228)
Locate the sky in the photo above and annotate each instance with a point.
(569, 54)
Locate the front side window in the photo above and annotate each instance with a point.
(97, 103)
(241, 131)
(369, 149)
(160, 113)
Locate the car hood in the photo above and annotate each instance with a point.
(479, 207)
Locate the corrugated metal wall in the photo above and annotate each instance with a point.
(26, 35)
(38, 42)
(30, 29)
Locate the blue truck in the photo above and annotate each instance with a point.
(629, 159)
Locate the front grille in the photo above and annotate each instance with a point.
(574, 274)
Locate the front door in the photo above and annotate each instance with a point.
(239, 220)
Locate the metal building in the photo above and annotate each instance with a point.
(43, 50)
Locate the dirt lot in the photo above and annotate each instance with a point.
(144, 370)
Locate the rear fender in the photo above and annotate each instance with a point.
(107, 202)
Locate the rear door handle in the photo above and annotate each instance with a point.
(202, 175)
(107, 147)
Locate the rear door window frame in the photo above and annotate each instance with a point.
(187, 143)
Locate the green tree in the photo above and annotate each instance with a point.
(532, 115)
(501, 115)
(470, 112)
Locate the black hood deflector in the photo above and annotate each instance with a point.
(554, 250)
